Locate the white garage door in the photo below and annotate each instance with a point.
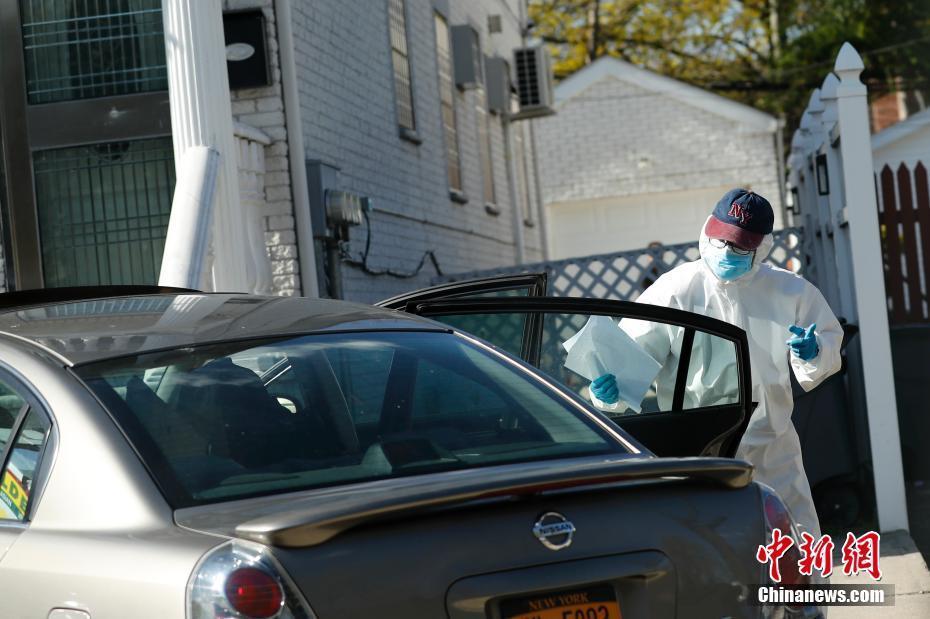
(609, 225)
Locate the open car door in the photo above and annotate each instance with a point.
(697, 404)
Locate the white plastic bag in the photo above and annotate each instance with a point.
(601, 347)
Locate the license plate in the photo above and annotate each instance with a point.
(587, 603)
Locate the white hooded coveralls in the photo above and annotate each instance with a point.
(764, 302)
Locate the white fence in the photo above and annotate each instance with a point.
(832, 183)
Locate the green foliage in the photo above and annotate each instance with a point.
(767, 53)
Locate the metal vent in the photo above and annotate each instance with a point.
(534, 82)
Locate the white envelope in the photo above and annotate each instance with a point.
(601, 347)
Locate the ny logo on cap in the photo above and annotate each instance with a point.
(737, 211)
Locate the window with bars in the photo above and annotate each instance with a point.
(403, 83)
(484, 145)
(92, 48)
(447, 103)
(103, 211)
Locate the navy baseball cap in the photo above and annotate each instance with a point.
(741, 217)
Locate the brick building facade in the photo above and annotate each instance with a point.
(349, 115)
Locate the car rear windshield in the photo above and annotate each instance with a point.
(227, 421)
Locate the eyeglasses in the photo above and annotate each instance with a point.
(739, 251)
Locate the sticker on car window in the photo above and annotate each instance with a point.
(14, 498)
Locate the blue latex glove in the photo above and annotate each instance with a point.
(605, 389)
(804, 344)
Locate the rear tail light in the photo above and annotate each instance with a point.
(254, 593)
(241, 580)
(777, 516)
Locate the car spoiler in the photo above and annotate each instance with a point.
(293, 520)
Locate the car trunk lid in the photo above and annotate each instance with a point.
(651, 533)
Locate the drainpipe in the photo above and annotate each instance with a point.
(537, 185)
(296, 154)
(516, 217)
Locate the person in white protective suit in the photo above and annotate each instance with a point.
(788, 323)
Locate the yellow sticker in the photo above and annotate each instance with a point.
(13, 496)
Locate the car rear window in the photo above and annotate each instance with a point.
(227, 421)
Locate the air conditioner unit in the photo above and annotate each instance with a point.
(534, 82)
(467, 60)
(497, 74)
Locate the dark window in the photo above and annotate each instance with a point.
(103, 211)
(447, 102)
(237, 419)
(400, 58)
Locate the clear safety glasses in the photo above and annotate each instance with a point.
(739, 251)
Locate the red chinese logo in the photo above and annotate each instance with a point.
(860, 554)
(771, 553)
(816, 555)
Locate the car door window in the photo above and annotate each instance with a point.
(19, 471)
(684, 378)
(506, 331)
(699, 368)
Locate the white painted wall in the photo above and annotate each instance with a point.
(905, 142)
(605, 225)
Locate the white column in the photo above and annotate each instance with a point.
(198, 90)
(869, 284)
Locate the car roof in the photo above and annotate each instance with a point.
(95, 329)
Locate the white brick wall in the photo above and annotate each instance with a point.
(264, 108)
(346, 86)
(615, 140)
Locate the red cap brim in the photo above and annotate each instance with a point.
(716, 229)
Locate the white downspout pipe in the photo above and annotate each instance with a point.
(296, 153)
(515, 211)
(185, 261)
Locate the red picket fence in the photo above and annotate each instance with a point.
(904, 218)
